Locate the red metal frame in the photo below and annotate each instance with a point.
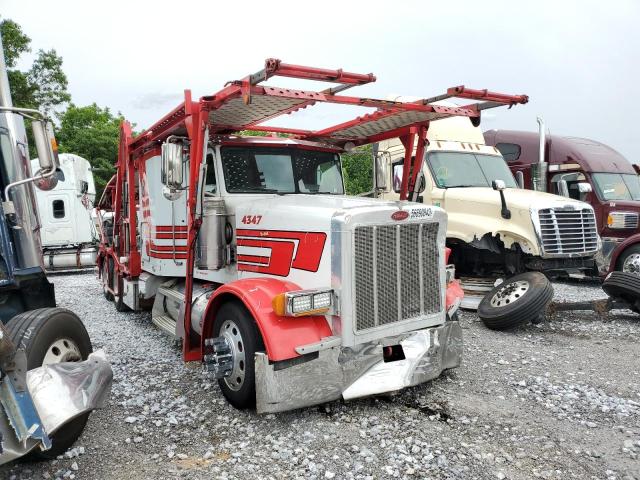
(247, 101)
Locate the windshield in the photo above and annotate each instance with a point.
(616, 186)
(461, 169)
(281, 170)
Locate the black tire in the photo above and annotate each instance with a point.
(36, 331)
(244, 395)
(118, 298)
(526, 307)
(628, 252)
(107, 276)
(624, 286)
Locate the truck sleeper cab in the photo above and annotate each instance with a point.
(491, 232)
(302, 295)
(589, 171)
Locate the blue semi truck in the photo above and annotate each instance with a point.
(50, 380)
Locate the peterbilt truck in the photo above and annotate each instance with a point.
(495, 227)
(249, 252)
(586, 170)
(50, 380)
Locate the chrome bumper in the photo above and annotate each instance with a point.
(356, 372)
(603, 257)
(60, 393)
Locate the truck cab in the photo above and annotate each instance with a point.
(495, 227)
(68, 233)
(247, 249)
(588, 171)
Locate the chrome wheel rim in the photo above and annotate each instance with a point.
(62, 350)
(231, 333)
(509, 293)
(632, 264)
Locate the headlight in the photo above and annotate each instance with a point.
(303, 302)
(620, 220)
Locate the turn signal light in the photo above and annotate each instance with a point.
(302, 302)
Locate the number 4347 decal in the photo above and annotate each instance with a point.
(251, 219)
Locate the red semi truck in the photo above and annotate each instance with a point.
(586, 170)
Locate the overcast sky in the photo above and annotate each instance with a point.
(577, 60)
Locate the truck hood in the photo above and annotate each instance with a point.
(516, 198)
(313, 206)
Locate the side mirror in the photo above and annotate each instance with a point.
(46, 145)
(563, 188)
(381, 165)
(172, 168)
(585, 187)
(498, 185)
(46, 183)
(520, 178)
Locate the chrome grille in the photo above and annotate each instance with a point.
(623, 220)
(568, 231)
(397, 274)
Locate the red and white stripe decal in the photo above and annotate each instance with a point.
(288, 249)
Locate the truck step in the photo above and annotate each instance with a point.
(166, 324)
(171, 294)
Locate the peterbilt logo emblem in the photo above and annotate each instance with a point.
(400, 215)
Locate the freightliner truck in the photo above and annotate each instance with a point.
(586, 170)
(496, 229)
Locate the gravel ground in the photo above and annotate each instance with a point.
(556, 400)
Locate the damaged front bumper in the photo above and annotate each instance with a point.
(58, 393)
(356, 372)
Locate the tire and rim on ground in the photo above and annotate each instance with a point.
(518, 300)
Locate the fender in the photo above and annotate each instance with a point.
(280, 334)
(632, 240)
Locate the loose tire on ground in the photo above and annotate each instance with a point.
(53, 335)
(240, 387)
(629, 260)
(624, 286)
(516, 301)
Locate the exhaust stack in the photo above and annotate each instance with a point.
(539, 170)
(5, 92)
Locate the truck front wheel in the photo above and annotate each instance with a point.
(629, 261)
(518, 300)
(237, 326)
(53, 335)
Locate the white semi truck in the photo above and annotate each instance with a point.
(248, 251)
(68, 232)
(496, 229)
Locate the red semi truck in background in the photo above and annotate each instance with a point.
(586, 170)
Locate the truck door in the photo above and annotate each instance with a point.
(58, 219)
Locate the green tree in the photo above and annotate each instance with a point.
(44, 84)
(357, 167)
(93, 133)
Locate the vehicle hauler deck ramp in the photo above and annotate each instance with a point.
(289, 292)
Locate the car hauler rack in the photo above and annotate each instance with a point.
(235, 246)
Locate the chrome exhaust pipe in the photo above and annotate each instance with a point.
(539, 170)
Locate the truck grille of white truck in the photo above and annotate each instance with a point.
(397, 273)
(568, 231)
